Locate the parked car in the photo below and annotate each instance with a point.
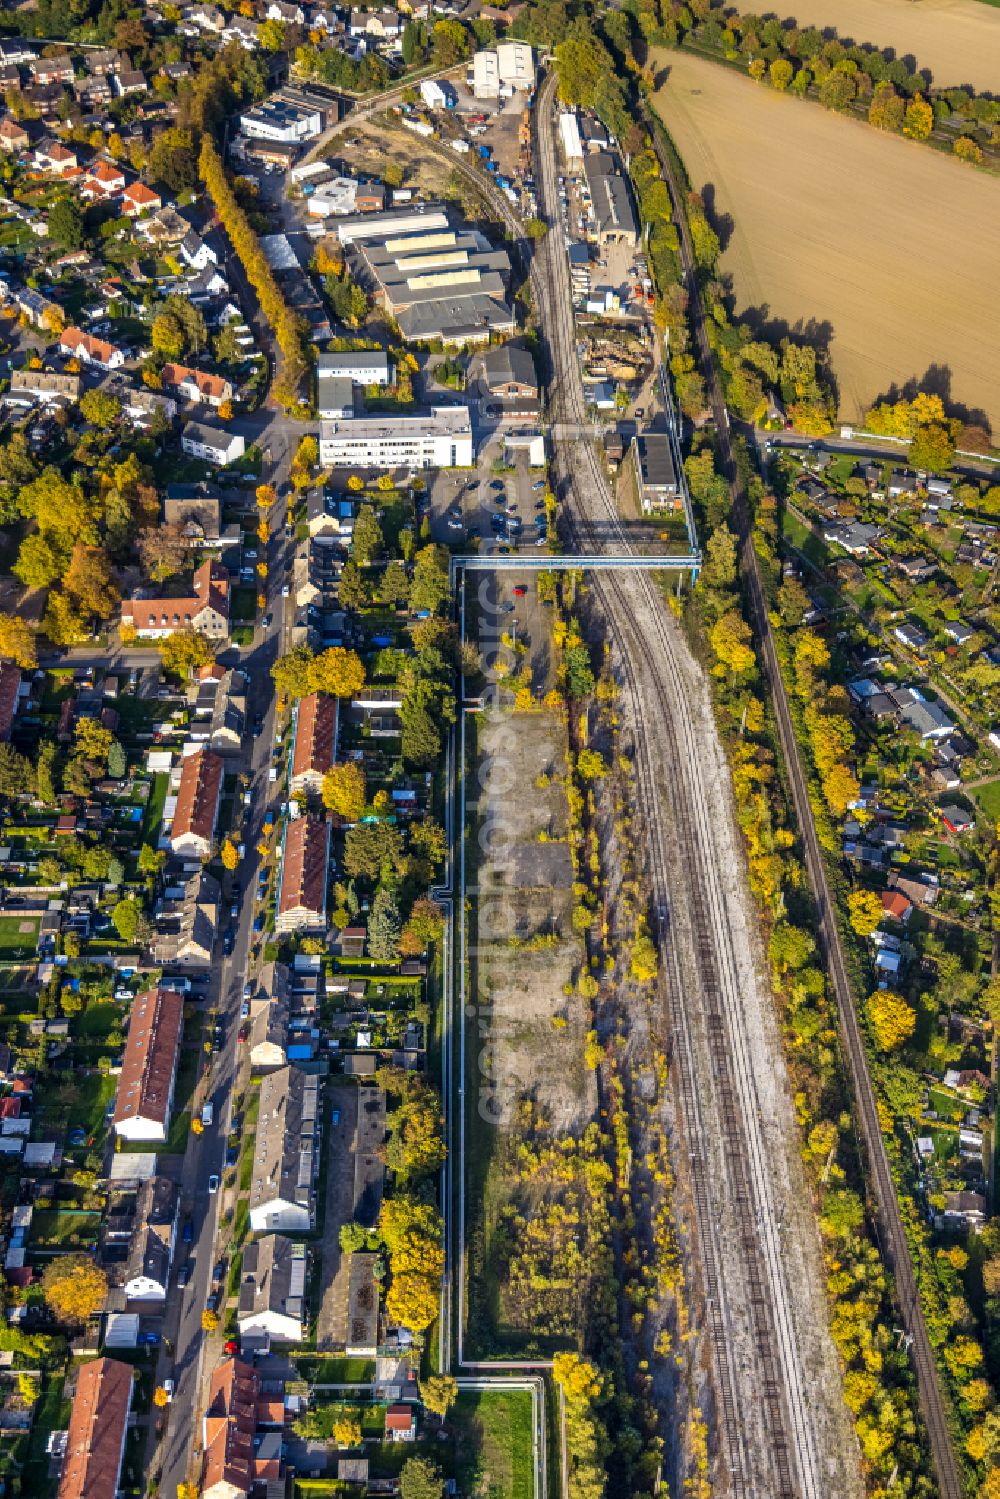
(213, 1184)
(184, 1275)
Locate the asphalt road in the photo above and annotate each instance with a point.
(189, 1354)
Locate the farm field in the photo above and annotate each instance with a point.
(958, 40)
(826, 230)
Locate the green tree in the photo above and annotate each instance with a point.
(866, 911)
(384, 928)
(420, 1478)
(100, 408)
(720, 559)
(185, 651)
(47, 753)
(431, 581)
(291, 672)
(127, 916)
(117, 763)
(74, 1286)
(344, 790)
(367, 541)
(17, 775)
(449, 42)
(933, 448)
(439, 1393)
(368, 845)
(65, 223)
(780, 73)
(918, 121)
(892, 1020)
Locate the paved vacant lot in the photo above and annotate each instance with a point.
(888, 242)
(958, 40)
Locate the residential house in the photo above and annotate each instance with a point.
(207, 611)
(228, 1431)
(958, 632)
(196, 386)
(138, 199)
(913, 637)
(922, 892)
(314, 741)
(896, 906)
(273, 1289)
(198, 253)
(153, 1239)
(856, 537)
(964, 1210)
(130, 81)
(76, 344)
(45, 386)
(187, 920)
(902, 484)
(400, 1423)
(13, 137)
(198, 799)
(145, 1094)
(302, 877)
(141, 405)
(212, 444)
(98, 1425)
(925, 717)
(229, 715)
(54, 158)
(197, 508)
(57, 69)
(286, 1154)
(956, 819)
(164, 229)
(102, 182)
(270, 1010)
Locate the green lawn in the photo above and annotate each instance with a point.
(52, 1414)
(804, 540)
(335, 1370)
(54, 1228)
(18, 936)
(988, 797)
(75, 1100)
(493, 1444)
(154, 808)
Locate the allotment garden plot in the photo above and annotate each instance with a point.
(534, 1177)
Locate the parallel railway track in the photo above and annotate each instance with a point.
(641, 612)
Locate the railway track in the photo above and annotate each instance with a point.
(895, 1247)
(794, 1466)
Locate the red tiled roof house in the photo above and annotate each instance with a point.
(196, 385)
(314, 746)
(89, 350)
(305, 857)
(229, 1428)
(98, 1424)
(138, 198)
(145, 1094)
(198, 799)
(207, 610)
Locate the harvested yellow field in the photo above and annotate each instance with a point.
(887, 245)
(958, 40)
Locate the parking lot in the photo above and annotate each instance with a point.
(486, 511)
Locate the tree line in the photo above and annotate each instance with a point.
(289, 329)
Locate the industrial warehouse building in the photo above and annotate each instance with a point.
(437, 279)
(616, 219)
